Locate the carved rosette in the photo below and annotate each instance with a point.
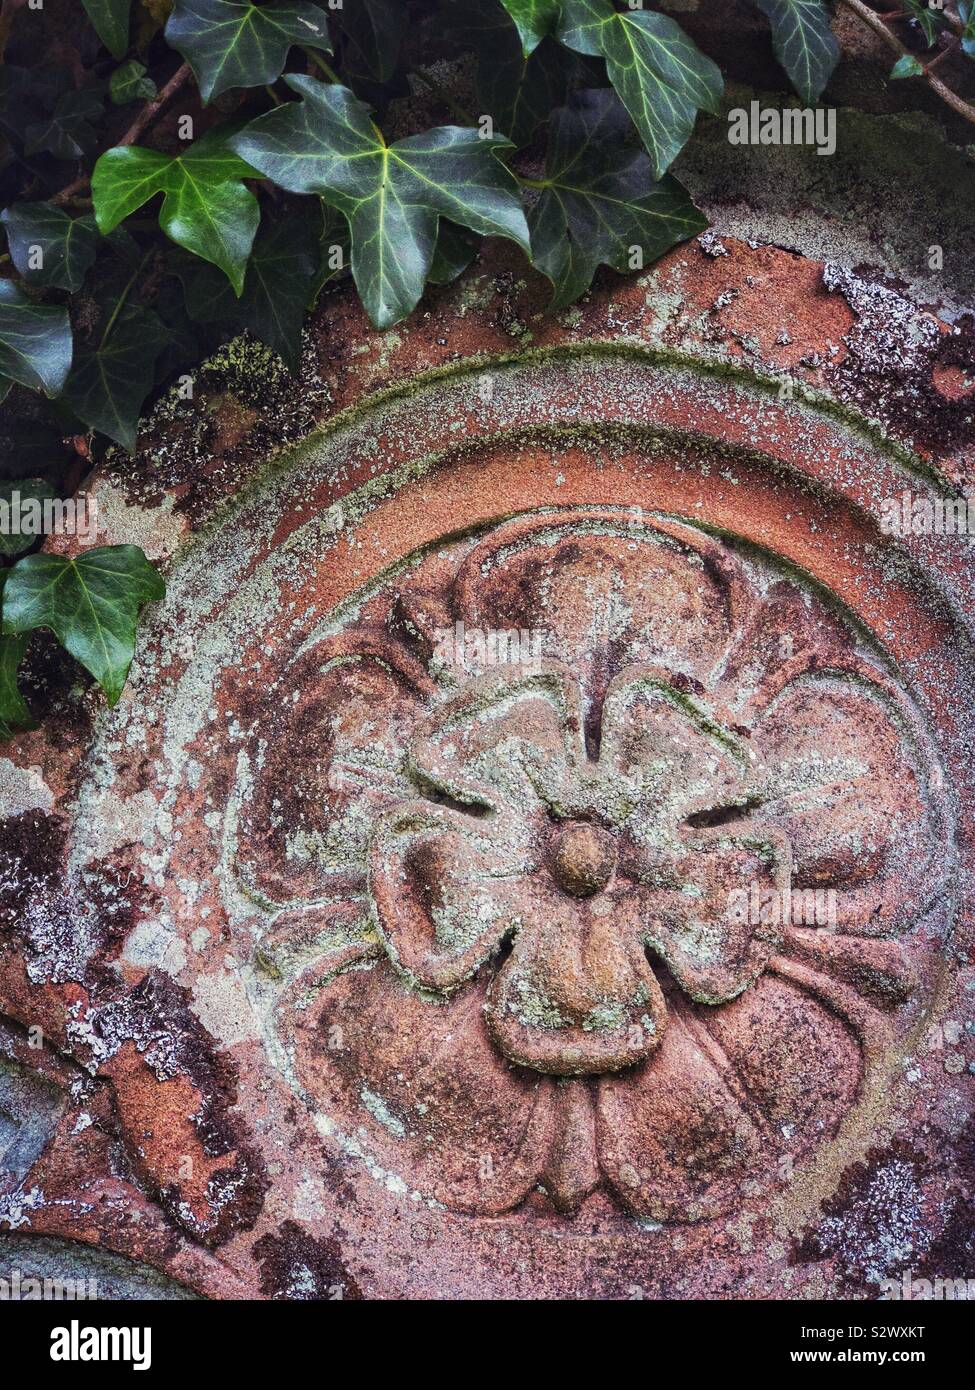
(594, 852)
(533, 854)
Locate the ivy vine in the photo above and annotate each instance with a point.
(183, 170)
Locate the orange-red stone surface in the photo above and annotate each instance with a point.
(414, 926)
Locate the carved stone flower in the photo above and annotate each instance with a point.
(506, 896)
(582, 863)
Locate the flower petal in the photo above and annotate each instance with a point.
(797, 1061)
(675, 1142)
(572, 1170)
(511, 738)
(715, 921)
(447, 889)
(788, 631)
(328, 758)
(664, 756)
(576, 994)
(415, 1087)
(842, 778)
(605, 589)
(736, 1095)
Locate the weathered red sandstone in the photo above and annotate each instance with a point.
(372, 964)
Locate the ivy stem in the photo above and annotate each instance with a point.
(152, 109)
(121, 300)
(320, 62)
(141, 123)
(273, 95)
(939, 57)
(888, 16)
(873, 20)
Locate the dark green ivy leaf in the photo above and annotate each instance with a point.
(516, 91)
(66, 246)
(661, 76)
(14, 713)
(282, 277)
(25, 95)
(35, 341)
(393, 195)
(109, 383)
(233, 43)
(599, 203)
(333, 248)
(534, 19)
(376, 28)
(456, 248)
(183, 345)
(13, 541)
(803, 42)
(67, 133)
(206, 207)
(90, 602)
(129, 83)
(110, 19)
(929, 21)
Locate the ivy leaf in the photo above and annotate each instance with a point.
(206, 208)
(456, 248)
(12, 495)
(661, 76)
(599, 203)
(376, 27)
(518, 92)
(21, 99)
(906, 66)
(966, 11)
(67, 133)
(130, 83)
(90, 602)
(109, 383)
(282, 279)
(393, 195)
(14, 713)
(66, 246)
(233, 43)
(534, 18)
(282, 276)
(35, 341)
(803, 43)
(110, 19)
(929, 21)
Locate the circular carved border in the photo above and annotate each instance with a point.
(160, 793)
